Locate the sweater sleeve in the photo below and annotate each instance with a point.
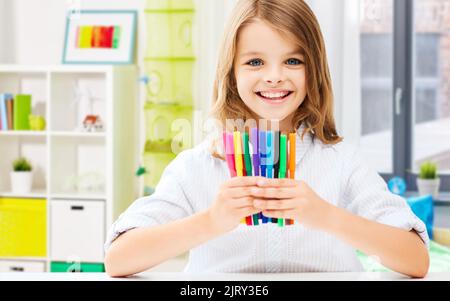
(366, 194)
(167, 203)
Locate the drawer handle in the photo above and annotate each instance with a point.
(16, 269)
(77, 207)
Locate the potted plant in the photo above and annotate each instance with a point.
(21, 176)
(428, 181)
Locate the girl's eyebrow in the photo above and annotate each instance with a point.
(295, 52)
(251, 53)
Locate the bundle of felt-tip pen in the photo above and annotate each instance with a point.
(261, 153)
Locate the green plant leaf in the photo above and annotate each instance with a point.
(22, 164)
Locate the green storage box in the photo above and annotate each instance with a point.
(71, 267)
(155, 163)
(169, 34)
(166, 124)
(170, 81)
(170, 5)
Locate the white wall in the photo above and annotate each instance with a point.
(39, 26)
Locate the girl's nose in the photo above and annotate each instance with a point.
(274, 76)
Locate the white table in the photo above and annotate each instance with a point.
(148, 276)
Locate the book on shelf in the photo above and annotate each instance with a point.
(5, 98)
(22, 109)
(9, 107)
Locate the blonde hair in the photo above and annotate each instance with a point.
(291, 18)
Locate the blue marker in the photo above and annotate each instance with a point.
(270, 154)
(262, 161)
(262, 152)
(270, 160)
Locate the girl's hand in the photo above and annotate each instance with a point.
(234, 202)
(288, 198)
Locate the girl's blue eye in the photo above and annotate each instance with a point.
(294, 61)
(255, 63)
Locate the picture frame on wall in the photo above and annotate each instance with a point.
(100, 37)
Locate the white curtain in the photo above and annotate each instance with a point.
(339, 21)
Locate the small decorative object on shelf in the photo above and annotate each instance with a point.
(84, 98)
(397, 186)
(37, 123)
(92, 123)
(21, 176)
(89, 182)
(428, 181)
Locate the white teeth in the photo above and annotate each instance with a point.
(274, 95)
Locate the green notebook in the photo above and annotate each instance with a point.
(22, 109)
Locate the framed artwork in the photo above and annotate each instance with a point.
(100, 37)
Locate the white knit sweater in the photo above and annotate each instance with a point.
(337, 173)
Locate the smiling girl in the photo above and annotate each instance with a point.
(272, 67)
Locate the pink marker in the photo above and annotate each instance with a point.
(228, 145)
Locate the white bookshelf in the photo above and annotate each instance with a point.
(92, 170)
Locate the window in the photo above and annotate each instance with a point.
(405, 75)
(431, 130)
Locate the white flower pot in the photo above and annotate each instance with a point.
(21, 181)
(429, 187)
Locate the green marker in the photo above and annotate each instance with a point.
(248, 167)
(282, 170)
(247, 159)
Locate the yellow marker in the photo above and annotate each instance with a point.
(238, 154)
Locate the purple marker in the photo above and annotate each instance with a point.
(255, 155)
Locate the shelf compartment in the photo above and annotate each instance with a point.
(27, 82)
(34, 148)
(169, 33)
(170, 81)
(74, 96)
(164, 124)
(82, 169)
